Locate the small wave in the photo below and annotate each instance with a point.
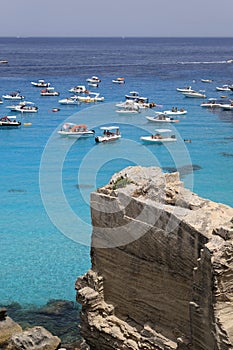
(203, 62)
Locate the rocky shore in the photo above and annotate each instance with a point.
(34, 327)
(162, 267)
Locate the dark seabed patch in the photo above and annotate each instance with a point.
(80, 186)
(15, 190)
(184, 170)
(226, 154)
(60, 317)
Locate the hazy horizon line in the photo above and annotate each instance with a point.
(113, 37)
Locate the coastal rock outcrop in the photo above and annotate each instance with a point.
(36, 338)
(162, 267)
(7, 327)
(13, 337)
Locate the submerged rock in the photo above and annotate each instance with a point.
(60, 317)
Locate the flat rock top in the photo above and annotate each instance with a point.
(152, 186)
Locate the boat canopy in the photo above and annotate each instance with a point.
(109, 127)
(79, 126)
(162, 130)
(7, 117)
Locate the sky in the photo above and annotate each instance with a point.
(119, 18)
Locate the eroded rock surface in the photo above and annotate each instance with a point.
(36, 338)
(162, 267)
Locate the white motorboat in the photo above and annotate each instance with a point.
(24, 107)
(211, 103)
(206, 80)
(92, 97)
(9, 122)
(75, 130)
(93, 79)
(28, 107)
(79, 89)
(3, 61)
(119, 81)
(161, 136)
(194, 94)
(134, 96)
(40, 83)
(93, 84)
(13, 96)
(73, 100)
(49, 91)
(185, 89)
(110, 133)
(223, 88)
(1, 101)
(227, 106)
(162, 118)
(175, 111)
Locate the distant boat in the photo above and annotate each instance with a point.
(175, 111)
(49, 91)
(162, 118)
(212, 103)
(92, 97)
(40, 83)
(13, 96)
(161, 136)
(78, 89)
(75, 130)
(3, 61)
(185, 89)
(9, 122)
(227, 106)
(223, 88)
(73, 100)
(119, 81)
(93, 79)
(110, 133)
(93, 84)
(194, 94)
(207, 80)
(24, 107)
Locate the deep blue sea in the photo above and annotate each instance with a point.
(46, 180)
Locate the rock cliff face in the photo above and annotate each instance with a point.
(162, 267)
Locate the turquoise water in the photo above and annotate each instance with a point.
(46, 180)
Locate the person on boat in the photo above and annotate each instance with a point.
(156, 136)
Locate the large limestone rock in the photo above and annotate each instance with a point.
(7, 327)
(36, 338)
(162, 267)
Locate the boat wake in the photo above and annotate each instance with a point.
(203, 62)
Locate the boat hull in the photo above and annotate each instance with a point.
(10, 125)
(167, 120)
(150, 139)
(76, 134)
(175, 112)
(105, 139)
